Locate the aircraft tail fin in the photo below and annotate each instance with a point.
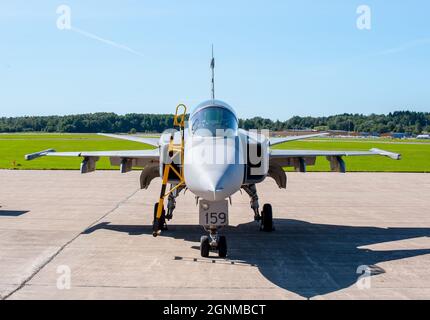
(213, 73)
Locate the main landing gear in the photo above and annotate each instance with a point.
(213, 242)
(159, 224)
(266, 216)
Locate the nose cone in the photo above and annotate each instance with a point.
(217, 182)
(209, 179)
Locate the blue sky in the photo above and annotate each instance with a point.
(274, 59)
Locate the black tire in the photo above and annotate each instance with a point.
(162, 223)
(204, 246)
(222, 247)
(267, 218)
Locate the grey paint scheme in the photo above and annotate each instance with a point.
(212, 181)
(277, 153)
(275, 141)
(138, 154)
(151, 141)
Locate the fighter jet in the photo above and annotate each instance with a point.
(213, 158)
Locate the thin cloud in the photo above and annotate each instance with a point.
(404, 47)
(106, 41)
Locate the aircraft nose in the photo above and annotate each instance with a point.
(220, 183)
(212, 169)
(216, 183)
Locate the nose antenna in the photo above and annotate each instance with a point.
(213, 73)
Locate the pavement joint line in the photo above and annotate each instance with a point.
(51, 258)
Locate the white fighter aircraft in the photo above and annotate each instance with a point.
(213, 158)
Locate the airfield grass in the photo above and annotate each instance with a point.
(415, 156)
(13, 147)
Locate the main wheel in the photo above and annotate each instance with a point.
(267, 218)
(161, 224)
(222, 247)
(204, 246)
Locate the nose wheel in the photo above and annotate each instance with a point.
(205, 246)
(213, 242)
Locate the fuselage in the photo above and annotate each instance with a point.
(216, 152)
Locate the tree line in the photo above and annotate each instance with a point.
(395, 122)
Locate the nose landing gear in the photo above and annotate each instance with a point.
(213, 242)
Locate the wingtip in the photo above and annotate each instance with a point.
(39, 154)
(392, 155)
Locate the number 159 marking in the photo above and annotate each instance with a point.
(214, 218)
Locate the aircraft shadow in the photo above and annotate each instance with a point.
(12, 213)
(306, 258)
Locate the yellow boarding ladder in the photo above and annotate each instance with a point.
(175, 151)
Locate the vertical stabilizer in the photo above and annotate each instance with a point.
(213, 73)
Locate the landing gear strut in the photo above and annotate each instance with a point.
(251, 190)
(213, 242)
(171, 200)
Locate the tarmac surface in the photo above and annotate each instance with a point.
(64, 235)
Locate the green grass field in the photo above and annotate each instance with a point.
(415, 156)
(13, 147)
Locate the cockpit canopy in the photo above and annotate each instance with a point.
(214, 120)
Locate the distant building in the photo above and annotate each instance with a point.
(292, 132)
(423, 136)
(399, 135)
